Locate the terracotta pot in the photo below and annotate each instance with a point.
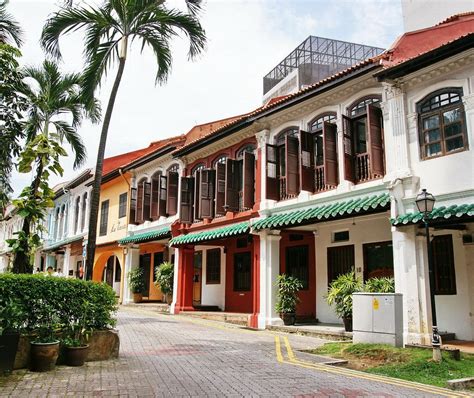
(75, 356)
(137, 297)
(347, 323)
(44, 356)
(289, 318)
(8, 348)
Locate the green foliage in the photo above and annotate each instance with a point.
(288, 288)
(12, 315)
(340, 293)
(78, 331)
(52, 305)
(164, 277)
(136, 280)
(10, 30)
(380, 285)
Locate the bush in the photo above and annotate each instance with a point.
(63, 297)
(288, 288)
(380, 285)
(136, 280)
(340, 293)
(164, 277)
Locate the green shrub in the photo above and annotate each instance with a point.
(136, 280)
(63, 299)
(288, 288)
(380, 285)
(164, 277)
(340, 293)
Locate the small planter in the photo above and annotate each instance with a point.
(289, 318)
(347, 323)
(75, 356)
(8, 349)
(44, 356)
(137, 297)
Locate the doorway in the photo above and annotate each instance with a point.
(340, 261)
(145, 265)
(197, 278)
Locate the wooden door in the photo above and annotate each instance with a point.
(145, 265)
(340, 261)
(197, 278)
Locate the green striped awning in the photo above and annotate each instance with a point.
(147, 236)
(438, 214)
(213, 234)
(325, 212)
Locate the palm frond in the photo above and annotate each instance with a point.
(10, 30)
(69, 133)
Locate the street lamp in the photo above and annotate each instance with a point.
(425, 204)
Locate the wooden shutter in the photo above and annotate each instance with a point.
(146, 201)
(139, 216)
(248, 180)
(220, 189)
(330, 154)
(172, 192)
(292, 170)
(162, 196)
(349, 173)
(206, 191)
(197, 195)
(231, 185)
(443, 265)
(186, 207)
(374, 138)
(155, 192)
(307, 161)
(133, 206)
(272, 172)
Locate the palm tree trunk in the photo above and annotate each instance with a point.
(95, 197)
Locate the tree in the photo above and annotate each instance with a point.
(109, 30)
(9, 28)
(57, 107)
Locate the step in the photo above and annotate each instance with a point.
(447, 336)
(207, 308)
(227, 317)
(162, 308)
(324, 332)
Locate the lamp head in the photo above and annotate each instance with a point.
(425, 202)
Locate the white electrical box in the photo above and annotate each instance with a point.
(377, 318)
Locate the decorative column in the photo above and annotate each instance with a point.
(184, 291)
(132, 260)
(67, 261)
(263, 138)
(269, 271)
(253, 322)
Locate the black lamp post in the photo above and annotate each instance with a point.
(425, 204)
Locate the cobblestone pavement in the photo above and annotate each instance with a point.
(173, 356)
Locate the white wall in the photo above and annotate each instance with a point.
(366, 229)
(212, 294)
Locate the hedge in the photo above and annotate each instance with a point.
(63, 299)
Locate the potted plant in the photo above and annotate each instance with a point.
(75, 338)
(11, 320)
(137, 284)
(340, 294)
(288, 288)
(164, 279)
(45, 345)
(380, 285)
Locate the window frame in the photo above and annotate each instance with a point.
(452, 290)
(123, 198)
(365, 100)
(217, 271)
(104, 220)
(441, 126)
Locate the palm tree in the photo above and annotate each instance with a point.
(9, 28)
(56, 104)
(109, 30)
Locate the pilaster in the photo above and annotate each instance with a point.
(132, 260)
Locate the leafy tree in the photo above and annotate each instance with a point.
(10, 30)
(12, 106)
(57, 107)
(109, 30)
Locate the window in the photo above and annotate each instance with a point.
(316, 127)
(219, 165)
(297, 264)
(340, 261)
(76, 214)
(287, 170)
(441, 123)
(242, 272)
(196, 173)
(378, 260)
(174, 168)
(118, 271)
(155, 190)
(341, 236)
(443, 265)
(360, 106)
(123, 205)
(246, 176)
(84, 208)
(143, 201)
(104, 216)
(213, 266)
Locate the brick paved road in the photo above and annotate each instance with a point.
(173, 356)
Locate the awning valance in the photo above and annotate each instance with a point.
(161, 233)
(438, 214)
(213, 234)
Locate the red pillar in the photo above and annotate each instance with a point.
(253, 320)
(184, 297)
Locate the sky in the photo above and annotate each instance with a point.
(246, 39)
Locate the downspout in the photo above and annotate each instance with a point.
(123, 257)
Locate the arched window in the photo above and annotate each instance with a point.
(143, 200)
(66, 217)
(76, 214)
(316, 127)
(287, 174)
(249, 148)
(219, 160)
(196, 168)
(155, 195)
(290, 131)
(441, 123)
(56, 223)
(84, 209)
(174, 168)
(359, 107)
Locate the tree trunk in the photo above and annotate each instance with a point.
(95, 196)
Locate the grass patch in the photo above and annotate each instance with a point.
(412, 364)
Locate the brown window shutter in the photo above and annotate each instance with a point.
(139, 217)
(172, 191)
(155, 189)
(248, 180)
(349, 173)
(331, 177)
(146, 201)
(220, 189)
(231, 186)
(375, 141)
(272, 172)
(197, 195)
(292, 169)
(133, 206)
(207, 193)
(186, 208)
(162, 196)
(307, 161)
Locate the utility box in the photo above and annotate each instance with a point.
(377, 318)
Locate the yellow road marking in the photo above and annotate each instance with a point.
(352, 373)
